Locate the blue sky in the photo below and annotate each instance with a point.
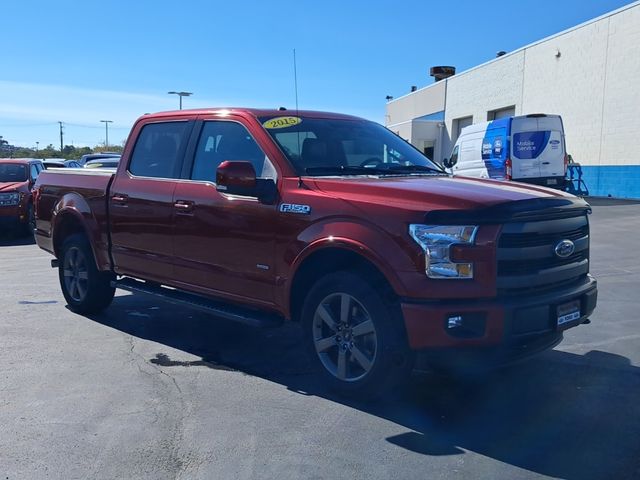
(82, 62)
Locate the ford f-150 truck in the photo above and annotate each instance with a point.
(328, 220)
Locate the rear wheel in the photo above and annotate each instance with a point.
(355, 335)
(86, 289)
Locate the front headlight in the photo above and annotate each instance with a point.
(436, 242)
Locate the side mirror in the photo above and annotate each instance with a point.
(449, 162)
(236, 178)
(239, 178)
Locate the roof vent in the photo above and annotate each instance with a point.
(441, 72)
(413, 88)
(501, 53)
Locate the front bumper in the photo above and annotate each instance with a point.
(498, 327)
(559, 183)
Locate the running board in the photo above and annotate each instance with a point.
(246, 316)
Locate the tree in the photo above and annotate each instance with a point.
(111, 148)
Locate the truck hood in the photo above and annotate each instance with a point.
(13, 187)
(430, 193)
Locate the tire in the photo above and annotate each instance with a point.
(85, 288)
(356, 335)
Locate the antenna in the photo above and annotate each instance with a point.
(295, 84)
(295, 78)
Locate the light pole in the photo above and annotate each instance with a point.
(181, 94)
(106, 132)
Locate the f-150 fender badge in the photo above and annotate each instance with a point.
(295, 208)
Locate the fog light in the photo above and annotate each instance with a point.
(466, 325)
(454, 322)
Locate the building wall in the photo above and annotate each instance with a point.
(571, 85)
(477, 91)
(425, 101)
(590, 75)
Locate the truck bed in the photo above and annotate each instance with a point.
(85, 192)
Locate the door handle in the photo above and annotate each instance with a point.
(546, 163)
(119, 198)
(183, 206)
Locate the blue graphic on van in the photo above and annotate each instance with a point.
(493, 151)
(528, 145)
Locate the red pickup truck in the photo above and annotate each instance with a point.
(329, 220)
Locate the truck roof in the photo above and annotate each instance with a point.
(256, 112)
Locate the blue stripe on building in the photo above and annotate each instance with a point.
(621, 181)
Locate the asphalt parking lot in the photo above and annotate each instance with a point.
(146, 390)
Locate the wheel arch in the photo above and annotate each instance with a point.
(323, 260)
(69, 221)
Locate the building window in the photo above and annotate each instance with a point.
(501, 113)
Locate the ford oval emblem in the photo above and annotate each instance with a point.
(564, 248)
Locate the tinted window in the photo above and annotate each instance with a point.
(156, 153)
(454, 155)
(34, 171)
(220, 141)
(13, 172)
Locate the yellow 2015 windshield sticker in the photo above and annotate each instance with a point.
(281, 122)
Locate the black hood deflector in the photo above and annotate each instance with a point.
(519, 211)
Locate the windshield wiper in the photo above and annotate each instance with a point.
(382, 169)
(347, 170)
(414, 168)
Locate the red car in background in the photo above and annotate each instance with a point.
(17, 177)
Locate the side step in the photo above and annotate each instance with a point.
(235, 313)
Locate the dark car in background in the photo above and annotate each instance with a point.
(17, 177)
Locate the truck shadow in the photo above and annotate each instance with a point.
(13, 239)
(560, 414)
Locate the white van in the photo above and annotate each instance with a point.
(528, 148)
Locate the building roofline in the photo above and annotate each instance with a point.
(533, 44)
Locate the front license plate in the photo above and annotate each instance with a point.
(568, 312)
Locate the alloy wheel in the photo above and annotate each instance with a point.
(345, 337)
(76, 274)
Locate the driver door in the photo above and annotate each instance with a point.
(224, 245)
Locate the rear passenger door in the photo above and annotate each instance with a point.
(141, 201)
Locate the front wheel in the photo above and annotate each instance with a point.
(355, 335)
(85, 288)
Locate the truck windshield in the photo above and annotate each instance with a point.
(317, 147)
(12, 172)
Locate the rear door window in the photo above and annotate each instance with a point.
(159, 149)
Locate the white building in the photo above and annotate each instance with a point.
(589, 74)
